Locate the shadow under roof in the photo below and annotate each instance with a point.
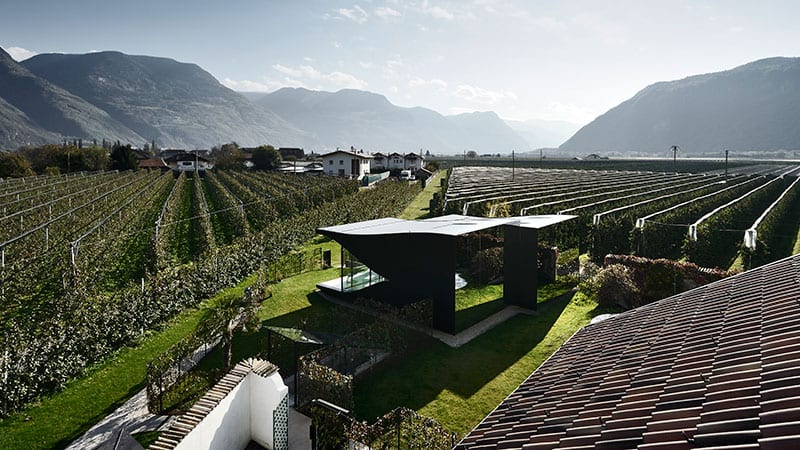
(450, 225)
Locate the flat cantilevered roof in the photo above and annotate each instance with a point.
(450, 225)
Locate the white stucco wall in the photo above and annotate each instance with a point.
(227, 427)
(245, 414)
(265, 396)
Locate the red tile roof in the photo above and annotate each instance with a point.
(714, 367)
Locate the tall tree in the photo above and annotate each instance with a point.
(123, 158)
(266, 157)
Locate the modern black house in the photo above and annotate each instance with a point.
(415, 259)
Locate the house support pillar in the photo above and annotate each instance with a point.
(520, 273)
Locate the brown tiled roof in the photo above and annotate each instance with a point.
(152, 162)
(181, 427)
(714, 367)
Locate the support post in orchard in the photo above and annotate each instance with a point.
(675, 149)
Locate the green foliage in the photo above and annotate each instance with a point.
(228, 156)
(52, 339)
(14, 165)
(664, 237)
(67, 158)
(614, 287)
(777, 232)
(266, 157)
(123, 158)
(660, 278)
(401, 429)
(719, 237)
(487, 265)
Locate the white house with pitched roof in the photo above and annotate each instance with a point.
(344, 163)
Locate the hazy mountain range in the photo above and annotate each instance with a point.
(755, 106)
(138, 99)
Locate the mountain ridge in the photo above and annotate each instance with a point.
(175, 103)
(369, 120)
(748, 108)
(36, 110)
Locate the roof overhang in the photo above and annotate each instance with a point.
(450, 225)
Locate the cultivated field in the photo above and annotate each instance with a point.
(702, 217)
(91, 262)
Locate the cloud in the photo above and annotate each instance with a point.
(437, 12)
(435, 83)
(310, 76)
(386, 12)
(356, 14)
(365, 65)
(19, 53)
(394, 64)
(250, 86)
(482, 96)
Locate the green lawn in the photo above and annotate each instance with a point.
(418, 208)
(459, 386)
(475, 303)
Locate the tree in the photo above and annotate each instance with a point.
(472, 154)
(232, 313)
(123, 158)
(266, 157)
(94, 158)
(228, 156)
(14, 165)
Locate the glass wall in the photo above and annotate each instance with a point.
(355, 275)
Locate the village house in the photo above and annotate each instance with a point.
(189, 162)
(396, 161)
(344, 163)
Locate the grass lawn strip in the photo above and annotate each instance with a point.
(418, 208)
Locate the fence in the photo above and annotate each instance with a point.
(332, 427)
(294, 264)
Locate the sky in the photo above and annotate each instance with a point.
(549, 60)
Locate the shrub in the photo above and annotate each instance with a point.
(487, 265)
(615, 287)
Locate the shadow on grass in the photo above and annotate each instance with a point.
(419, 378)
(321, 318)
(468, 317)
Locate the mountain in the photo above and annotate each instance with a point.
(177, 104)
(544, 133)
(351, 117)
(35, 111)
(17, 129)
(752, 107)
